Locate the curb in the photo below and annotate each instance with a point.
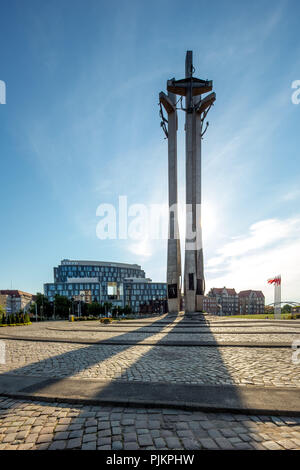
(153, 404)
(202, 344)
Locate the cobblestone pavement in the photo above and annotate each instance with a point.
(195, 365)
(153, 332)
(36, 425)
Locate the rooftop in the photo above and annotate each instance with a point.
(69, 262)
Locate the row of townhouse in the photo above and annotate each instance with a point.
(223, 301)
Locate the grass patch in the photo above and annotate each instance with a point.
(266, 316)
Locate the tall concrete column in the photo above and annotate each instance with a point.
(190, 235)
(196, 110)
(174, 256)
(200, 283)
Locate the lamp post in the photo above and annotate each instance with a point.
(81, 295)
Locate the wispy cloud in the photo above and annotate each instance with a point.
(291, 195)
(271, 246)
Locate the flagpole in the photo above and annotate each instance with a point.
(277, 295)
(277, 301)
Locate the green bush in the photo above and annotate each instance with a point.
(105, 320)
(26, 318)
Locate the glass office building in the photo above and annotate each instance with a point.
(119, 283)
(144, 295)
(93, 280)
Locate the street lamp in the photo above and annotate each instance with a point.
(81, 295)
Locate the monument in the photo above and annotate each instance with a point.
(196, 109)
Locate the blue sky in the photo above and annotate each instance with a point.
(81, 127)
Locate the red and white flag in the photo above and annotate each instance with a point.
(275, 280)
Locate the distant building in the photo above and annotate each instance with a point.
(210, 305)
(228, 300)
(15, 300)
(119, 283)
(88, 281)
(251, 302)
(295, 309)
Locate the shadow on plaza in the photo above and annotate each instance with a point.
(158, 373)
(82, 358)
(168, 370)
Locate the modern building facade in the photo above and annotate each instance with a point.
(15, 300)
(227, 299)
(145, 296)
(251, 302)
(119, 283)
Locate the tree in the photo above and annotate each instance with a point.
(107, 307)
(44, 308)
(62, 306)
(286, 308)
(94, 309)
(127, 310)
(2, 310)
(269, 309)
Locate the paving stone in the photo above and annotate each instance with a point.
(130, 437)
(104, 433)
(24, 447)
(117, 445)
(173, 443)
(208, 443)
(45, 438)
(271, 445)
(116, 430)
(145, 440)
(287, 444)
(74, 443)
(185, 433)
(127, 422)
(160, 443)
(131, 446)
(92, 429)
(213, 433)
(228, 432)
(58, 436)
(58, 445)
(104, 441)
(78, 433)
(243, 446)
(224, 443)
(190, 444)
(89, 446)
(89, 438)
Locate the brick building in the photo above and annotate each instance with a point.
(210, 305)
(251, 302)
(228, 300)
